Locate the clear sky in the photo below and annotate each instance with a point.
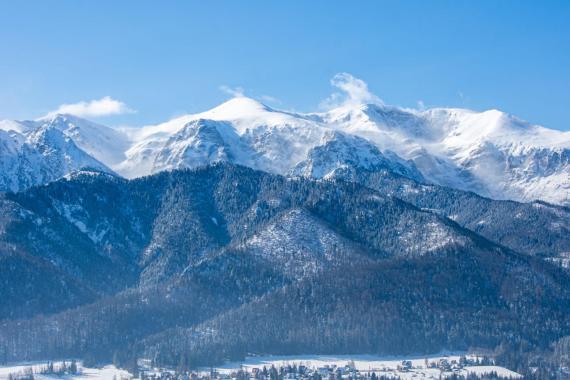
(165, 58)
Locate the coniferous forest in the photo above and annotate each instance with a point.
(213, 264)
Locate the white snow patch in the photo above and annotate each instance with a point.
(109, 372)
(381, 365)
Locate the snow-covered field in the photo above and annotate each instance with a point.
(105, 373)
(381, 365)
(385, 365)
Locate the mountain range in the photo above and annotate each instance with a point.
(218, 262)
(491, 153)
(246, 230)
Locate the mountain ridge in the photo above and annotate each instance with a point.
(491, 153)
(161, 266)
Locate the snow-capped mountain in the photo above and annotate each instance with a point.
(340, 154)
(491, 153)
(241, 130)
(41, 156)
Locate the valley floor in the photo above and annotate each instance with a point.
(109, 372)
(352, 366)
(420, 367)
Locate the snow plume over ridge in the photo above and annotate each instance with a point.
(354, 92)
(235, 92)
(105, 106)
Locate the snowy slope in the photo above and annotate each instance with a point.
(199, 143)
(491, 153)
(103, 143)
(41, 156)
(511, 158)
(339, 154)
(108, 372)
(300, 244)
(241, 130)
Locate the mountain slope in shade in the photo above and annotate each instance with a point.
(509, 223)
(387, 307)
(105, 233)
(300, 244)
(222, 261)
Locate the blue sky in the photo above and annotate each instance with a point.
(166, 58)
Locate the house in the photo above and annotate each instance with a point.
(444, 365)
(144, 364)
(324, 371)
(405, 366)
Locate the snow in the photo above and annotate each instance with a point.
(492, 153)
(298, 243)
(486, 369)
(434, 236)
(385, 365)
(43, 155)
(381, 365)
(16, 126)
(109, 372)
(562, 260)
(338, 152)
(103, 143)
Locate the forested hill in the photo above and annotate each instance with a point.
(213, 263)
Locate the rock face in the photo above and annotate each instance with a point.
(491, 153)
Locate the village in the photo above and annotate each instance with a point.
(461, 367)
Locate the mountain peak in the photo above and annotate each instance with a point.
(491, 152)
(49, 135)
(237, 107)
(59, 117)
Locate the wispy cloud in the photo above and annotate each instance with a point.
(105, 106)
(232, 91)
(269, 99)
(354, 91)
(237, 92)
